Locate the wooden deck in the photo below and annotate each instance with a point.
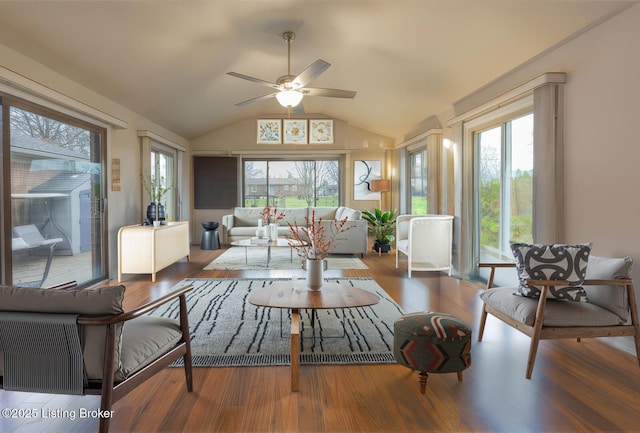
(63, 268)
(586, 386)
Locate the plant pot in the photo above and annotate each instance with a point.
(381, 248)
(152, 213)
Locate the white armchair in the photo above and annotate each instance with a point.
(426, 240)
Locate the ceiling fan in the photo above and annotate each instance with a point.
(291, 88)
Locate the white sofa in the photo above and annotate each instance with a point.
(243, 223)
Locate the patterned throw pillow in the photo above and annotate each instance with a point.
(552, 262)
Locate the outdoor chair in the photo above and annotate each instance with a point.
(81, 342)
(426, 241)
(610, 309)
(29, 238)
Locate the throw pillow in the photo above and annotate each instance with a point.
(552, 262)
(351, 214)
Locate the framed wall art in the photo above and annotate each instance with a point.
(321, 131)
(363, 173)
(295, 131)
(269, 131)
(115, 174)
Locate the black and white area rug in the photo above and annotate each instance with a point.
(227, 331)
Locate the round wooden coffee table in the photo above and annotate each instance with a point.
(295, 296)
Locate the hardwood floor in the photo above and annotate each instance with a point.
(585, 386)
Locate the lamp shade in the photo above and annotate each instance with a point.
(380, 185)
(289, 98)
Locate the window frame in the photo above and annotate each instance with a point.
(100, 261)
(505, 113)
(294, 187)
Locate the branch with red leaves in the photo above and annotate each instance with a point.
(271, 215)
(314, 241)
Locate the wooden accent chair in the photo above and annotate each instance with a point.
(426, 241)
(86, 344)
(611, 310)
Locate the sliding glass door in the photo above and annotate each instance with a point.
(54, 211)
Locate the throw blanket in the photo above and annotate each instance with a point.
(41, 353)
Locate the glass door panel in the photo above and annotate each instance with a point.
(505, 187)
(490, 183)
(418, 173)
(520, 136)
(56, 180)
(163, 175)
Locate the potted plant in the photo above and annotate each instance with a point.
(382, 225)
(313, 244)
(156, 189)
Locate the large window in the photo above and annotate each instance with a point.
(504, 186)
(418, 182)
(54, 215)
(163, 173)
(300, 183)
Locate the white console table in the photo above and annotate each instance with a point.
(148, 249)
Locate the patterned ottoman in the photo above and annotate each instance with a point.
(432, 343)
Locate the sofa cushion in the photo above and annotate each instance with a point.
(613, 298)
(293, 216)
(348, 213)
(92, 301)
(326, 213)
(145, 339)
(557, 312)
(244, 231)
(247, 216)
(552, 262)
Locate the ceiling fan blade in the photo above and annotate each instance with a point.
(331, 93)
(312, 72)
(257, 99)
(255, 80)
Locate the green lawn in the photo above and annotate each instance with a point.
(419, 205)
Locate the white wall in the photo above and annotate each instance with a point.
(124, 206)
(350, 142)
(601, 133)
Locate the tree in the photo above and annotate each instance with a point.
(51, 131)
(306, 175)
(251, 172)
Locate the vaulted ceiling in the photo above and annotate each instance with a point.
(406, 59)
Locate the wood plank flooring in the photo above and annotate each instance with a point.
(586, 386)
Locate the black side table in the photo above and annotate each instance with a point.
(210, 237)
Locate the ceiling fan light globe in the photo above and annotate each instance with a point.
(289, 98)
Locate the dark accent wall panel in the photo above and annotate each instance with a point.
(215, 182)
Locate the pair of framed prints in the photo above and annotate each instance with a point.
(295, 131)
